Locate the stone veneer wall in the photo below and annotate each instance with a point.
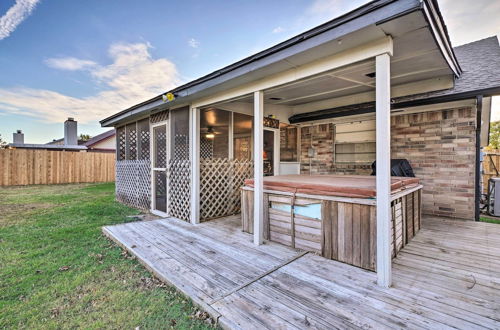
(440, 146)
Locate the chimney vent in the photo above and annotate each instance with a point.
(18, 137)
(70, 132)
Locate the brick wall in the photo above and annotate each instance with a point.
(321, 139)
(440, 146)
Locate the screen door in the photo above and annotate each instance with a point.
(159, 166)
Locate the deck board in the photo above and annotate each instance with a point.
(446, 277)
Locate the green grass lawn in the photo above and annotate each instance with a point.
(489, 219)
(58, 271)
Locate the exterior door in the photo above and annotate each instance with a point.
(159, 161)
(271, 151)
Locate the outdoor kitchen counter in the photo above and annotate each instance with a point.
(332, 215)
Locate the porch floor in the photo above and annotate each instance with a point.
(447, 277)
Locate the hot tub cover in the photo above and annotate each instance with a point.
(358, 186)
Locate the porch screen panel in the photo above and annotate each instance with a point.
(120, 143)
(180, 133)
(214, 133)
(242, 136)
(160, 147)
(133, 178)
(131, 141)
(179, 169)
(220, 176)
(143, 139)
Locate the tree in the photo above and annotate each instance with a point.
(3, 143)
(494, 135)
(85, 137)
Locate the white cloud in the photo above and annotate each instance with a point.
(469, 21)
(69, 63)
(132, 77)
(15, 15)
(278, 29)
(193, 43)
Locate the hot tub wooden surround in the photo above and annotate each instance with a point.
(337, 228)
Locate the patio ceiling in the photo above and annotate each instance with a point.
(417, 57)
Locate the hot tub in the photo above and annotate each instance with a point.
(333, 215)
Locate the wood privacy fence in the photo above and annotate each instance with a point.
(26, 166)
(491, 167)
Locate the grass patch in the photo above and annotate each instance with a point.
(58, 271)
(490, 220)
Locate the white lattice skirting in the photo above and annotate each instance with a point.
(133, 183)
(220, 183)
(179, 189)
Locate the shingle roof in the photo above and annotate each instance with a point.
(480, 63)
(100, 137)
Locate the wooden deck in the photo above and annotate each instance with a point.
(447, 277)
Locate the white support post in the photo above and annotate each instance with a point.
(258, 192)
(194, 149)
(383, 177)
(231, 136)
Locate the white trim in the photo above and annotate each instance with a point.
(357, 54)
(383, 177)
(230, 136)
(258, 210)
(152, 159)
(276, 147)
(159, 213)
(194, 151)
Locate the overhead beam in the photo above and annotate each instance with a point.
(317, 94)
(422, 86)
(354, 55)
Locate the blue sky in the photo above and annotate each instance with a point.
(89, 59)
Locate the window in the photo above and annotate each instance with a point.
(355, 142)
(288, 143)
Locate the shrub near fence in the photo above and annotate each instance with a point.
(27, 166)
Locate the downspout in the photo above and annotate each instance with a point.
(479, 109)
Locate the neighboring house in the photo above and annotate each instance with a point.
(104, 142)
(381, 81)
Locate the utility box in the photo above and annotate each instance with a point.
(496, 196)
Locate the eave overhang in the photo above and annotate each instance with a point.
(294, 52)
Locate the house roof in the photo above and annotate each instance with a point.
(46, 146)
(480, 63)
(58, 142)
(255, 66)
(100, 137)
